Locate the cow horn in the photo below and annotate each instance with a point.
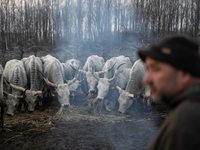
(115, 75)
(24, 92)
(17, 87)
(120, 65)
(96, 76)
(66, 80)
(41, 73)
(38, 92)
(131, 95)
(117, 87)
(6, 81)
(5, 92)
(73, 67)
(101, 72)
(82, 71)
(18, 97)
(49, 83)
(73, 80)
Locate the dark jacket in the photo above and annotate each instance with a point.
(181, 130)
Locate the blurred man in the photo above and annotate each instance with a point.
(173, 76)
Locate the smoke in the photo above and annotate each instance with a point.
(104, 27)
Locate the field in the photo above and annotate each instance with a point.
(82, 126)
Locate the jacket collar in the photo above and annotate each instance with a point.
(185, 95)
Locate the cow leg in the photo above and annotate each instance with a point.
(22, 106)
(2, 112)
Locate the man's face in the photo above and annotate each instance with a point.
(162, 78)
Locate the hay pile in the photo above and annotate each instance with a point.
(36, 120)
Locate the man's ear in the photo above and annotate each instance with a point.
(185, 78)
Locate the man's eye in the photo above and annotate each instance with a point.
(156, 69)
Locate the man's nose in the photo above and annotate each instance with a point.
(147, 79)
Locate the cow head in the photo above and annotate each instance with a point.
(125, 100)
(91, 81)
(62, 91)
(32, 99)
(31, 96)
(109, 104)
(104, 85)
(73, 88)
(12, 103)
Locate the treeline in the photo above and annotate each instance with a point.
(166, 17)
(79, 28)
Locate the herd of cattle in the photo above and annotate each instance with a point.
(32, 79)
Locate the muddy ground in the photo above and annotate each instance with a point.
(81, 126)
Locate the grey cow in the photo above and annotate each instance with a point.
(93, 64)
(121, 81)
(111, 68)
(33, 66)
(54, 77)
(15, 73)
(72, 66)
(1, 98)
(135, 87)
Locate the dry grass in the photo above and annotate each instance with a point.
(38, 121)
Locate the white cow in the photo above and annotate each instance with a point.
(135, 87)
(54, 77)
(93, 64)
(111, 67)
(33, 66)
(1, 97)
(72, 67)
(121, 81)
(15, 73)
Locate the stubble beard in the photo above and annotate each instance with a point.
(161, 98)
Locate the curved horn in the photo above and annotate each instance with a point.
(82, 71)
(96, 76)
(17, 87)
(66, 80)
(101, 72)
(49, 83)
(131, 95)
(24, 94)
(41, 73)
(6, 81)
(115, 75)
(38, 92)
(5, 92)
(117, 87)
(73, 67)
(120, 65)
(73, 80)
(18, 97)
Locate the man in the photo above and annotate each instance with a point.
(173, 76)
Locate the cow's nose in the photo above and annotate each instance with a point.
(10, 114)
(92, 91)
(66, 105)
(99, 99)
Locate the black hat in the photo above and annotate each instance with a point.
(177, 51)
